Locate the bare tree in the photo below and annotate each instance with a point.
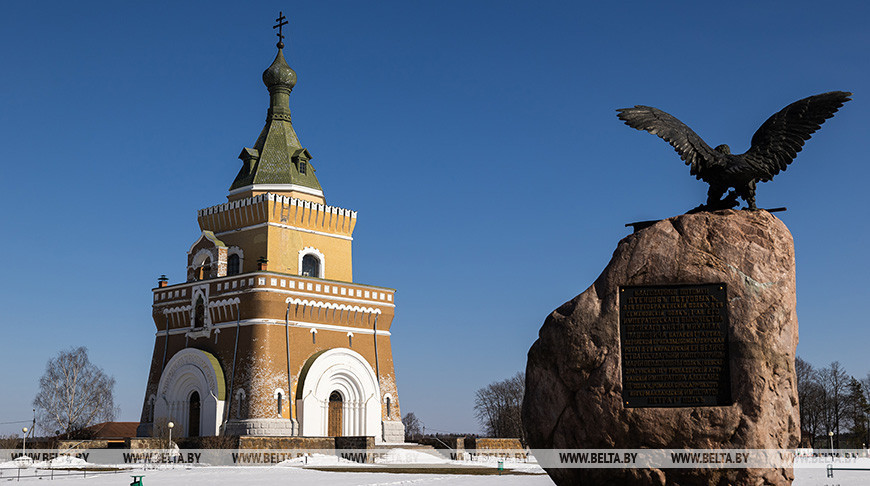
(74, 393)
(413, 426)
(10, 442)
(498, 407)
(835, 382)
(811, 400)
(858, 412)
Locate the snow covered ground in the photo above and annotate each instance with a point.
(297, 473)
(211, 476)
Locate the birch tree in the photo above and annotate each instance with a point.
(74, 393)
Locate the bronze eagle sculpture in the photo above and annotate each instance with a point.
(774, 146)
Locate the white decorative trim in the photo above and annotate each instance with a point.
(200, 290)
(224, 302)
(260, 198)
(277, 187)
(227, 307)
(299, 279)
(332, 305)
(285, 226)
(306, 294)
(200, 257)
(191, 370)
(276, 322)
(278, 392)
(347, 372)
(310, 250)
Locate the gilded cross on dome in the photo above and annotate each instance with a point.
(282, 21)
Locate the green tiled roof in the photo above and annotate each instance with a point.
(277, 153)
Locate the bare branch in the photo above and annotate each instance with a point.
(74, 393)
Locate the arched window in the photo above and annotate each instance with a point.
(388, 407)
(203, 271)
(233, 265)
(149, 409)
(193, 415)
(280, 404)
(240, 403)
(199, 313)
(310, 266)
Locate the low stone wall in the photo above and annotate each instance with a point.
(489, 443)
(229, 442)
(323, 443)
(82, 444)
(145, 443)
(360, 442)
(495, 447)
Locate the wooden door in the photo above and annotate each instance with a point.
(334, 420)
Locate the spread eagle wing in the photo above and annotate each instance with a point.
(782, 136)
(692, 149)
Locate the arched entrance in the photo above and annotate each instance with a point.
(339, 385)
(334, 421)
(193, 415)
(192, 393)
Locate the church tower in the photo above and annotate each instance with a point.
(269, 335)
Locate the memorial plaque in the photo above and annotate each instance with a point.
(674, 345)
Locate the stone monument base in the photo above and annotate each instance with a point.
(574, 385)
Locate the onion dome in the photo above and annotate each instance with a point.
(279, 74)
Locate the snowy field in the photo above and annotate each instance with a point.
(297, 473)
(304, 477)
(297, 476)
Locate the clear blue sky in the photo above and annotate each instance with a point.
(477, 140)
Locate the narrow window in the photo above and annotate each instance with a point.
(240, 402)
(303, 167)
(149, 411)
(280, 404)
(388, 407)
(310, 266)
(233, 265)
(199, 313)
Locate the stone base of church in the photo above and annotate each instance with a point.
(262, 427)
(394, 431)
